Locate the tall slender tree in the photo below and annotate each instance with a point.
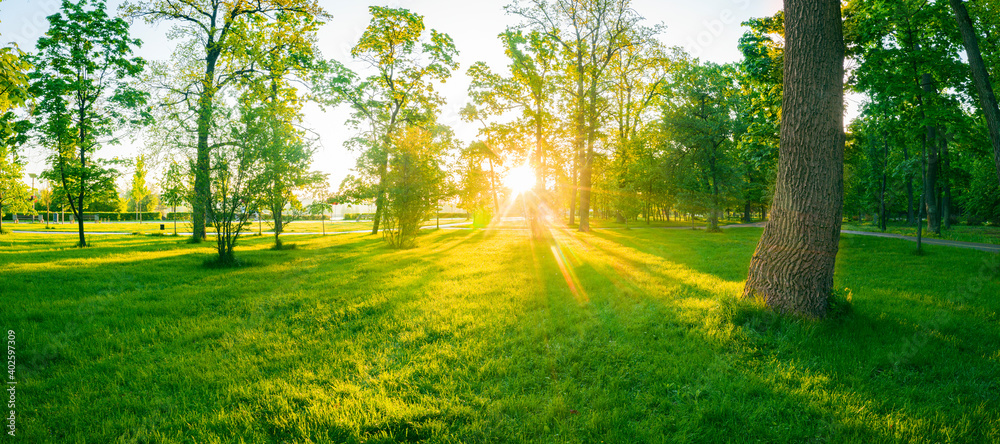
(138, 192)
(406, 64)
(209, 63)
(591, 33)
(84, 76)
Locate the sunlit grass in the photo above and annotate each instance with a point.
(477, 336)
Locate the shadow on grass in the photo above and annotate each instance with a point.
(479, 336)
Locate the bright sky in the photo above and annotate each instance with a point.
(707, 29)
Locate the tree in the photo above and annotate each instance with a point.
(591, 33)
(13, 94)
(14, 194)
(13, 79)
(175, 189)
(475, 186)
(138, 192)
(399, 94)
(759, 113)
(83, 79)
(987, 99)
(699, 118)
(792, 267)
(637, 79)
(415, 180)
(272, 112)
(285, 158)
(209, 63)
(45, 198)
(530, 88)
(235, 169)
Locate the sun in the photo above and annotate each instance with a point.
(520, 179)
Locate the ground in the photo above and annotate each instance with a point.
(487, 336)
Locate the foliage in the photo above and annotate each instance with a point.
(13, 80)
(235, 170)
(175, 189)
(221, 42)
(83, 76)
(400, 94)
(139, 194)
(271, 109)
(416, 180)
(14, 194)
(699, 120)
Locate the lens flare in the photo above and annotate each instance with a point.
(520, 179)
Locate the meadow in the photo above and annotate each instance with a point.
(485, 336)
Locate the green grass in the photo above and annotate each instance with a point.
(964, 233)
(151, 227)
(479, 336)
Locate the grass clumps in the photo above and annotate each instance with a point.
(489, 336)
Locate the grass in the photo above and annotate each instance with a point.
(486, 336)
(153, 227)
(964, 233)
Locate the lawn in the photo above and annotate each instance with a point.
(486, 336)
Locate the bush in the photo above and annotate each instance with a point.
(449, 216)
(109, 216)
(179, 216)
(359, 216)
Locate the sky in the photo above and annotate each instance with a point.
(707, 29)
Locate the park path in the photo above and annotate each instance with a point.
(991, 248)
(168, 232)
(931, 241)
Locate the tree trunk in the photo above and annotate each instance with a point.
(278, 226)
(946, 183)
(383, 170)
(792, 268)
(987, 100)
(202, 186)
(493, 188)
(910, 219)
(586, 174)
(930, 159)
(881, 196)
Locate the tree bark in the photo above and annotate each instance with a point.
(881, 198)
(792, 268)
(987, 99)
(206, 104)
(945, 183)
(380, 200)
(910, 217)
(930, 158)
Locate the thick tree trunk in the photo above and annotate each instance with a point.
(987, 100)
(792, 268)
